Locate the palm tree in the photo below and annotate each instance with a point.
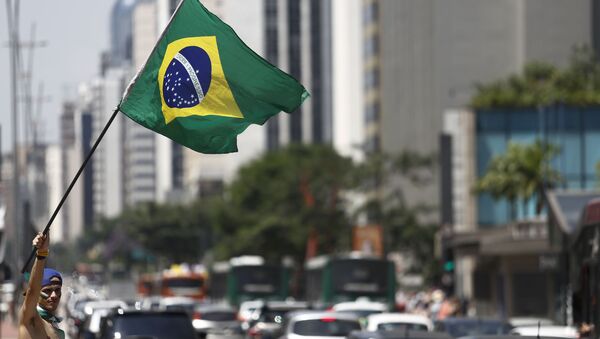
(523, 172)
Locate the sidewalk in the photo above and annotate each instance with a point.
(7, 330)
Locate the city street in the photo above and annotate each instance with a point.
(8, 330)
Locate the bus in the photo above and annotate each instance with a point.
(331, 279)
(248, 278)
(182, 282)
(585, 249)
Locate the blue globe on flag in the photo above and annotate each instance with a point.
(187, 79)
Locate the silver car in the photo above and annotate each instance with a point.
(320, 325)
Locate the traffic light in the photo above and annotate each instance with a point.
(448, 266)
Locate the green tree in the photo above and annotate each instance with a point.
(522, 172)
(383, 179)
(276, 201)
(542, 84)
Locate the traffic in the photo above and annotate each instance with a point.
(350, 296)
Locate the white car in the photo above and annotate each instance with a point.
(320, 325)
(397, 321)
(530, 321)
(247, 308)
(362, 308)
(546, 331)
(92, 306)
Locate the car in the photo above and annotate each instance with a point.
(529, 321)
(91, 306)
(546, 331)
(319, 324)
(247, 308)
(398, 321)
(147, 324)
(361, 307)
(216, 319)
(178, 303)
(267, 320)
(91, 326)
(470, 326)
(398, 334)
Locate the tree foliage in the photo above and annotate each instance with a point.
(276, 200)
(522, 172)
(407, 228)
(542, 84)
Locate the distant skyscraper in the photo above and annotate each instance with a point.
(120, 33)
(71, 160)
(298, 40)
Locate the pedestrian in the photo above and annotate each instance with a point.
(37, 317)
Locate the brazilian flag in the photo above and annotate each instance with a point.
(202, 86)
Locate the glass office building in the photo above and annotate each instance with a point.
(575, 130)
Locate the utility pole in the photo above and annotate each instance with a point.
(21, 85)
(12, 14)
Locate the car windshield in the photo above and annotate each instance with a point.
(325, 327)
(401, 326)
(159, 326)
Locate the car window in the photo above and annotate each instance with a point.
(159, 326)
(401, 326)
(325, 327)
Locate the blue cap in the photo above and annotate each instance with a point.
(50, 273)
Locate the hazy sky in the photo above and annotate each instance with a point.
(75, 32)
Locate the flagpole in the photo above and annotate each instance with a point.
(62, 201)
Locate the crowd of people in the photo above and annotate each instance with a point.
(433, 303)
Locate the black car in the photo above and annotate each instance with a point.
(147, 324)
(471, 326)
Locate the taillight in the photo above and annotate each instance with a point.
(253, 332)
(327, 320)
(197, 315)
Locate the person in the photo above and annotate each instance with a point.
(37, 317)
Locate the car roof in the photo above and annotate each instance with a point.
(470, 319)
(399, 317)
(544, 330)
(215, 307)
(360, 305)
(375, 319)
(177, 301)
(286, 304)
(315, 315)
(406, 334)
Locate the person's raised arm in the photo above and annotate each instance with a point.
(28, 310)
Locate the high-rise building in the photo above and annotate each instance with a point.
(298, 40)
(71, 160)
(431, 54)
(121, 33)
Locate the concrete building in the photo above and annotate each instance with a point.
(431, 53)
(298, 40)
(72, 159)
